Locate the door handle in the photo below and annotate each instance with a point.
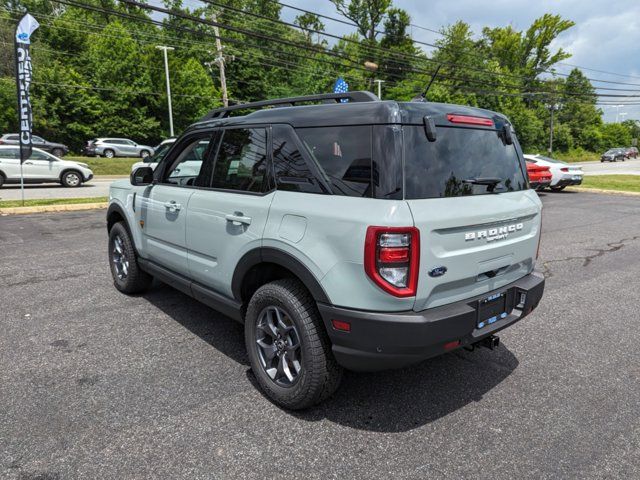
(237, 218)
(28, 163)
(172, 206)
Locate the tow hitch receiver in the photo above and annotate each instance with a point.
(491, 342)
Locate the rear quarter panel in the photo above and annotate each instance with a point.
(327, 234)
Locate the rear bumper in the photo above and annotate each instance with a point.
(537, 184)
(568, 181)
(380, 340)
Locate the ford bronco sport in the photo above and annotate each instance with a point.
(343, 231)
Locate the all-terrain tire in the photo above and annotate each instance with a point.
(320, 374)
(127, 277)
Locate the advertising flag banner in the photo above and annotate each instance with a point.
(25, 28)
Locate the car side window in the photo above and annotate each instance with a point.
(344, 155)
(13, 138)
(35, 155)
(291, 169)
(186, 168)
(37, 139)
(241, 163)
(10, 153)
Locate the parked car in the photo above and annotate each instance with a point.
(116, 147)
(539, 175)
(41, 167)
(631, 152)
(159, 152)
(338, 244)
(613, 155)
(562, 174)
(56, 149)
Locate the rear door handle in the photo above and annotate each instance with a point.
(172, 206)
(238, 218)
(28, 163)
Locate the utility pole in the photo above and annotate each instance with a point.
(166, 73)
(552, 107)
(617, 107)
(379, 82)
(220, 61)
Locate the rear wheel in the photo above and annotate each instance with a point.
(289, 350)
(57, 152)
(127, 276)
(109, 153)
(71, 179)
(144, 153)
(558, 189)
(1, 179)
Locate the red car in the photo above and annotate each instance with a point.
(539, 176)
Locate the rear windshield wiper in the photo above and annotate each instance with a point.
(490, 182)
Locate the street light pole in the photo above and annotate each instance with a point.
(166, 73)
(379, 82)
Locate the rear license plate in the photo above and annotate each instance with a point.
(576, 177)
(491, 309)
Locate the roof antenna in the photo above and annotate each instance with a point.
(423, 96)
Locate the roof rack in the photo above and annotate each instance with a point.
(358, 96)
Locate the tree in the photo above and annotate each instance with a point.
(310, 21)
(615, 135)
(397, 64)
(579, 106)
(366, 14)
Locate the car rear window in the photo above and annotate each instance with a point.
(448, 166)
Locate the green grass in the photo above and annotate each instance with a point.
(621, 183)
(51, 201)
(577, 155)
(107, 166)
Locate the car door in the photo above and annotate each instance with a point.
(161, 208)
(228, 219)
(41, 166)
(10, 163)
(130, 148)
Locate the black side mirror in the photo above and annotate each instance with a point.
(142, 176)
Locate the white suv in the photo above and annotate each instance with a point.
(41, 167)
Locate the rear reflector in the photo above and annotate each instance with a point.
(470, 120)
(452, 345)
(341, 325)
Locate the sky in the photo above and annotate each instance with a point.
(606, 36)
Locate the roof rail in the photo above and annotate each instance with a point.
(358, 96)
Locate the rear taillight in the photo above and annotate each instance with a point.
(1, 142)
(392, 259)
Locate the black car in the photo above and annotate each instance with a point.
(55, 149)
(613, 155)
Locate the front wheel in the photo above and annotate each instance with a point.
(109, 153)
(72, 179)
(289, 350)
(144, 153)
(127, 276)
(57, 152)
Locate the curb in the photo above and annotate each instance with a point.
(52, 208)
(607, 192)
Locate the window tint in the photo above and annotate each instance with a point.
(10, 153)
(241, 163)
(344, 156)
(15, 138)
(186, 168)
(447, 167)
(291, 169)
(37, 139)
(35, 155)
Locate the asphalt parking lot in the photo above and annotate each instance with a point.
(95, 384)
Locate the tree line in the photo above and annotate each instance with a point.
(97, 71)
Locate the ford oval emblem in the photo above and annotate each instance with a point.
(437, 271)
